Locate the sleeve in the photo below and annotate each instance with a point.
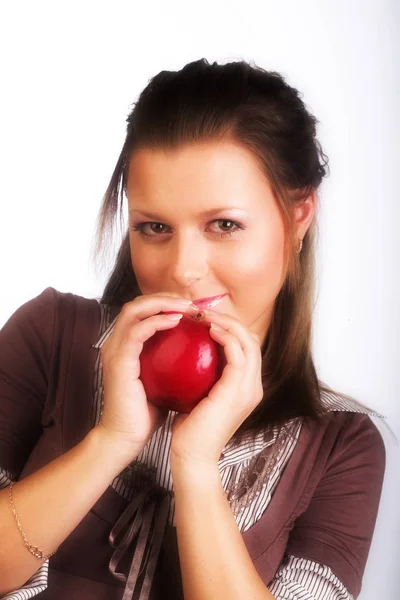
(25, 353)
(336, 528)
(303, 579)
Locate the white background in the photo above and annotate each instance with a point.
(69, 75)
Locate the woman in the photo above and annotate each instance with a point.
(270, 487)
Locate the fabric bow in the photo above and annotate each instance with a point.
(151, 508)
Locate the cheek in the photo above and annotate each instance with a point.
(146, 268)
(257, 278)
(259, 262)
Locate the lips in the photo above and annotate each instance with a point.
(203, 303)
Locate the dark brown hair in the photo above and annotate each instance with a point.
(260, 111)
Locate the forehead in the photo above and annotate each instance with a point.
(221, 165)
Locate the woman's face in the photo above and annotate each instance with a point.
(210, 225)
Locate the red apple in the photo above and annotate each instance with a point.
(179, 366)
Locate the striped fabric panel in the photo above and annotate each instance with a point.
(6, 477)
(38, 582)
(303, 579)
(258, 506)
(335, 402)
(98, 377)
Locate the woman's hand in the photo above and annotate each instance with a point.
(200, 436)
(128, 419)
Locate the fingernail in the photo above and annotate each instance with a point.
(215, 327)
(194, 307)
(182, 301)
(174, 317)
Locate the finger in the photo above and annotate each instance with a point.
(130, 341)
(234, 371)
(255, 337)
(146, 306)
(248, 339)
(232, 346)
(249, 345)
(242, 374)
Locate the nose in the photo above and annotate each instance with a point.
(187, 260)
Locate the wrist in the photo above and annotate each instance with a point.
(120, 451)
(196, 471)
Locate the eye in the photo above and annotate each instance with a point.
(233, 227)
(140, 228)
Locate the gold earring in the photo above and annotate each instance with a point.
(300, 247)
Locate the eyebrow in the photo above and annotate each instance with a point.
(205, 213)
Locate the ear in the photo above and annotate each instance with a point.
(304, 213)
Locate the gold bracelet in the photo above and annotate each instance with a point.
(32, 549)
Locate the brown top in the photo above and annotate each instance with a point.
(47, 361)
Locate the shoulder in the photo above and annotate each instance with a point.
(334, 401)
(46, 300)
(64, 301)
(357, 437)
(351, 415)
(69, 298)
(50, 299)
(34, 318)
(347, 434)
(50, 313)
